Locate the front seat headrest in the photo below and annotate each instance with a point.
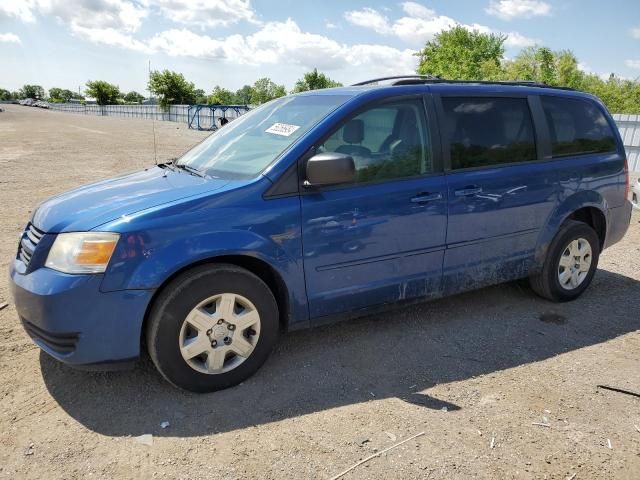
(353, 131)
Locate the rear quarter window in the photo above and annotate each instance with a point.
(576, 127)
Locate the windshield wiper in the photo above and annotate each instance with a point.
(190, 169)
(168, 165)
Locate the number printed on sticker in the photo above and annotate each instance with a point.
(283, 129)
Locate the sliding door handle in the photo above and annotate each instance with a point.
(468, 191)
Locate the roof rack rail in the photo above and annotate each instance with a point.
(418, 78)
(425, 79)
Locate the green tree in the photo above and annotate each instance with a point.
(172, 88)
(264, 89)
(243, 95)
(314, 80)
(221, 96)
(5, 95)
(462, 54)
(105, 93)
(32, 91)
(133, 97)
(201, 96)
(568, 74)
(547, 65)
(61, 95)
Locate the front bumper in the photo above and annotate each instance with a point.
(68, 316)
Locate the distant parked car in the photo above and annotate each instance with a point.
(635, 195)
(319, 206)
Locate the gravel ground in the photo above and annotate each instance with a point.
(475, 372)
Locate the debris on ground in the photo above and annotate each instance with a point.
(540, 424)
(377, 454)
(146, 439)
(165, 424)
(3, 305)
(619, 390)
(29, 450)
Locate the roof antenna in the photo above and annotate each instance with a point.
(153, 120)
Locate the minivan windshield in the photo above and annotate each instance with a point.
(246, 146)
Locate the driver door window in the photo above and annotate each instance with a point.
(386, 142)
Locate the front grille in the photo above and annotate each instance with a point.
(58, 342)
(28, 243)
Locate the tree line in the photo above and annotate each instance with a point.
(172, 88)
(458, 53)
(465, 54)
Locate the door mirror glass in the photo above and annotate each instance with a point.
(330, 168)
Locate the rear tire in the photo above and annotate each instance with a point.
(212, 327)
(571, 263)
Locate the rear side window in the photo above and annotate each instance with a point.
(576, 127)
(486, 131)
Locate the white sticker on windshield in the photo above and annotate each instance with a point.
(283, 129)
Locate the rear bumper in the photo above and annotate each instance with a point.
(69, 318)
(618, 220)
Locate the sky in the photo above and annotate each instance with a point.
(65, 43)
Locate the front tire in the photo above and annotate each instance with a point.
(212, 327)
(571, 263)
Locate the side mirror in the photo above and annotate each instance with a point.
(330, 168)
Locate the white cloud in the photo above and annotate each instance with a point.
(632, 64)
(510, 9)
(330, 25)
(206, 13)
(369, 18)
(278, 42)
(9, 38)
(123, 15)
(417, 10)
(421, 24)
(635, 32)
(19, 9)
(517, 40)
(112, 37)
(120, 15)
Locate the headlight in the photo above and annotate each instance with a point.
(82, 252)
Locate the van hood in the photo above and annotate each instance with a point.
(92, 205)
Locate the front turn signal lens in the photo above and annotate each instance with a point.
(82, 252)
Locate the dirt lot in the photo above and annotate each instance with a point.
(499, 360)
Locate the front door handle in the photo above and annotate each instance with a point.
(426, 197)
(468, 191)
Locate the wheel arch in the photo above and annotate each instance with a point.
(595, 218)
(587, 206)
(262, 269)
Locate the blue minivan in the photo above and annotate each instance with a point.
(319, 206)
